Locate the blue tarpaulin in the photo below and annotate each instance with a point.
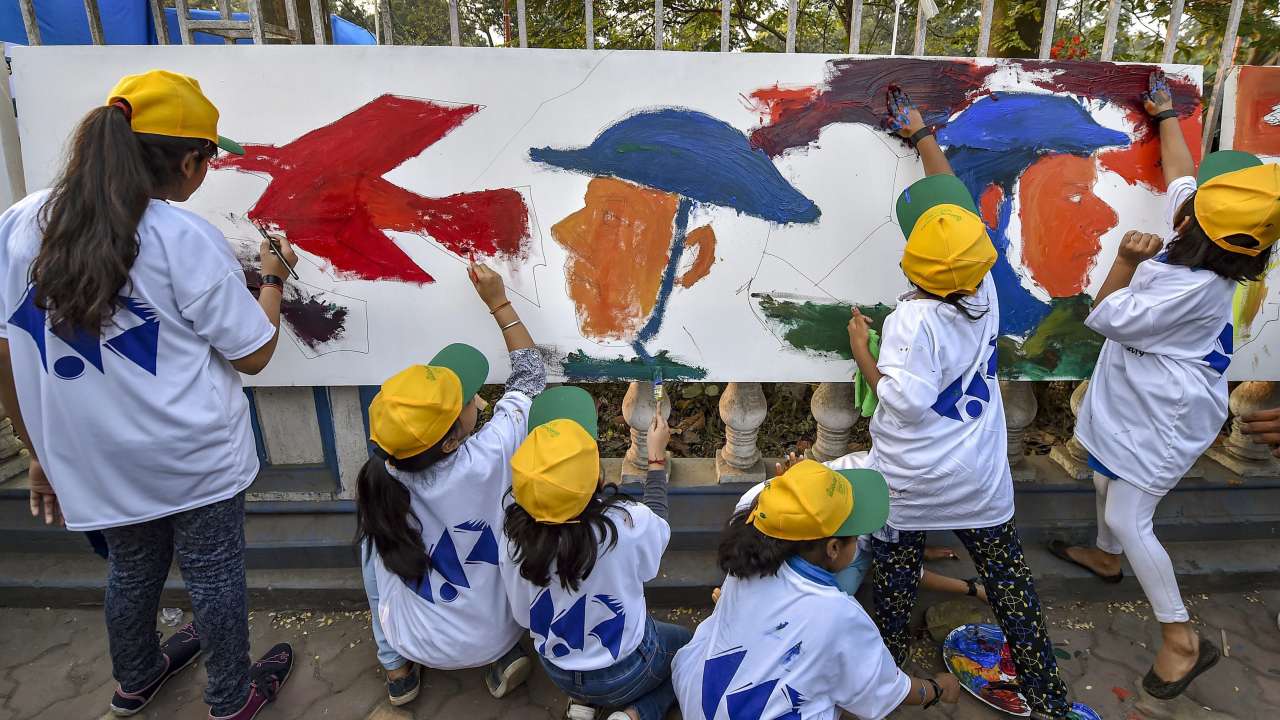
(128, 22)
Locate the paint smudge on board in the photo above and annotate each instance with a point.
(1057, 203)
(580, 367)
(1139, 164)
(327, 193)
(313, 316)
(813, 325)
(1258, 111)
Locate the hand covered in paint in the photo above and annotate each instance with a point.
(904, 118)
(787, 463)
(950, 687)
(488, 285)
(1158, 97)
(271, 264)
(1138, 246)
(43, 500)
(1263, 427)
(659, 436)
(859, 332)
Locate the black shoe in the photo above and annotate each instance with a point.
(508, 672)
(265, 680)
(1161, 690)
(403, 690)
(180, 650)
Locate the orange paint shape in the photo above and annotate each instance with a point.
(1063, 222)
(989, 205)
(702, 240)
(1140, 162)
(618, 245)
(1257, 98)
(774, 102)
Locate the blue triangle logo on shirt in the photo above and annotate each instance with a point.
(748, 703)
(138, 343)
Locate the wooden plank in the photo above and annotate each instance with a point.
(184, 22)
(256, 30)
(1171, 34)
(291, 17)
(319, 23)
(29, 22)
(520, 21)
(1224, 64)
(95, 21)
(158, 20)
(387, 37)
(917, 48)
(984, 31)
(793, 10)
(224, 11)
(1109, 37)
(724, 25)
(1046, 31)
(658, 30)
(590, 11)
(455, 34)
(855, 28)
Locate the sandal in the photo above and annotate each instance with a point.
(1059, 550)
(1162, 690)
(973, 587)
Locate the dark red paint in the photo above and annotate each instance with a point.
(328, 196)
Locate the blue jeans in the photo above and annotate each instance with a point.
(387, 655)
(641, 680)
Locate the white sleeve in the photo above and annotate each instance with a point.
(210, 290)
(867, 682)
(650, 535)
(1179, 190)
(909, 365)
(1142, 315)
(852, 461)
(509, 425)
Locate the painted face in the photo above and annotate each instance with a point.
(1063, 222)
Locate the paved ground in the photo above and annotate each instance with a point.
(53, 665)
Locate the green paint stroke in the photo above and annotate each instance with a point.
(816, 326)
(579, 366)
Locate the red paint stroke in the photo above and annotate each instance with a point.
(1063, 222)
(854, 92)
(1121, 693)
(1257, 95)
(1140, 162)
(328, 196)
(989, 205)
(1121, 85)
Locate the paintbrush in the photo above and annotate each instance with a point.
(657, 388)
(275, 250)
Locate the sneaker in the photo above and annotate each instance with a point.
(508, 673)
(579, 711)
(402, 691)
(265, 679)
(180, 650)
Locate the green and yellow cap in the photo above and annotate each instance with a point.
(1238, 195)
(168, 103)
(415, 408)
(811, 501)
(556, 471)
(948, 250)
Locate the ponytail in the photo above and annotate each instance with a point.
(385, 523)
(573, 547)
(90, 222)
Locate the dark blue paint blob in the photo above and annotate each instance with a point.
(69, 367)
(692, 154)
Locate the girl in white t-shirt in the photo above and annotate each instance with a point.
(1158, 396)
(938, 432)
(784, 639)
(575, 560)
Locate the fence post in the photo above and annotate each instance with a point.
(95, 21)
(792, 11)
(743, 409)
(520, 22)
(855, 28)
(589, 10)
(1072, 457)
(385, 36)
(29, 21)
(255, 22)
(1020, 408)
(984, 31)
(657, 24)
(724, 25)
(1239, 453)
(833, 409)
(1171, 35)
(1050, 23)
(1109, 37)
(318, 22)
(1224, 64)
(917, 48)
(455, 34)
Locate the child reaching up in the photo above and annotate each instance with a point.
(577, 557)
(429, 513)
(1158, 396)
(784, 640)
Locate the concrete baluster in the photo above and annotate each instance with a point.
(1072, 457)
(832, 407)
(1020, 408)
(743, 409)
(1239, 453)
(637, 409)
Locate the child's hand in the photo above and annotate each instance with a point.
(715, 596)
(950, 687)
(859, 331)
(488, 285)
(1157, 98)
(1138, 246)
(659, 436)
(270, 264)
(904, 118)
(787, 463)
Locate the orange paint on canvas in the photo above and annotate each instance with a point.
(1140, 162)
(1258, 111)
(1063, 222)
(775, 102)
(703, 241)
(618, 246)
(989, 205)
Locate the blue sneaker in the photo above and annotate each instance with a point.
(180, 650)
(508, 672)
(402, 691)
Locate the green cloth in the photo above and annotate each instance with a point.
(864, 397)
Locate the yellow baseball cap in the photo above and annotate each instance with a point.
(811, 502)
(415, 408)
(556, 471)
(948, 250)
(1238, 195)
(166, 103)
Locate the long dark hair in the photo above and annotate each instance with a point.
(1193, 248)
(90, 221)
(573, 547)
(386, 523)
(957, 300)
(745, 552)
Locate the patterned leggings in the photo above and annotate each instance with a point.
(997, 555)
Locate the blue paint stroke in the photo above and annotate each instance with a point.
(993, 142)
(654, 323)
(691, 154)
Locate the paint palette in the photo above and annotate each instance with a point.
(979, 657)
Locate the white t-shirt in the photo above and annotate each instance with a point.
(787, 646)
(1158, 396)
(149, 419)
(603, 622)
(458, 617)
(938, 433)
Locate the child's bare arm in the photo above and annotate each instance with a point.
(905, 119)
(1134, 248)
(1175, 156)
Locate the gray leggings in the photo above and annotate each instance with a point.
(210, 545)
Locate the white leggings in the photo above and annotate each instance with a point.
(1125, 515)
